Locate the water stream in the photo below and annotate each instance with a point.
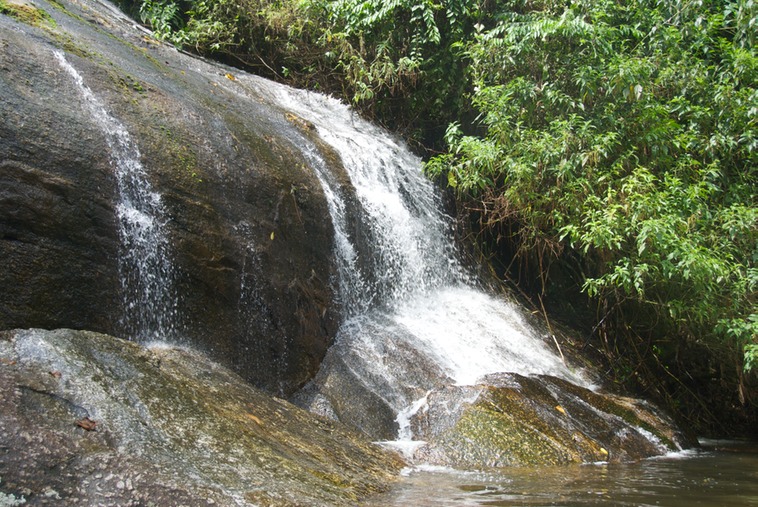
(413, 319)
(145, 270)
(401, 262)
(414, 322)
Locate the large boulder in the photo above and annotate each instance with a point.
(89, 419)
(249, 238)
(514, 420)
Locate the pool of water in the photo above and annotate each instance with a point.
(721, 473)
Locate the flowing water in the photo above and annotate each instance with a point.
(413, 316)
(145, 269)
(723, 474)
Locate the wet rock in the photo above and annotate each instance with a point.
(513, 420)
(250, 234)
(164, 426)
(372, 372)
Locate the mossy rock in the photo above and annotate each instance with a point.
(91, 416)
(526, 421)
(27, 12)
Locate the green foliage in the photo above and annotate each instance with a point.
(398, 61)
(626, 136)
(163, 16)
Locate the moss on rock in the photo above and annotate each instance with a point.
(174, 426)
(525, 421)
(27, 12)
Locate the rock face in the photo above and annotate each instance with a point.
(379, 382)
(248, 227)
(499, 420)
(513, 420)
(92, 419)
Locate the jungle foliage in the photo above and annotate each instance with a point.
(621, 138)
(613, 141)
(397, 61)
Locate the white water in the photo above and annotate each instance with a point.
(146, 273)
(355, 292)
(406, 293)
(402, 241)
(404, 417)
(416, 279)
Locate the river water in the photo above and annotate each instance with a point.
(721, 473)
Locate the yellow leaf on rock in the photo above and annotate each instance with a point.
(560, 409)
(272, 235)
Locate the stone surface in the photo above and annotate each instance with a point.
(513, 420)
(247, 221)
(367, 378)
(90, 419)
(251, 245)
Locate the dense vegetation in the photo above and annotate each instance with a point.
(621, 140)
(396, 60)
(603, 147)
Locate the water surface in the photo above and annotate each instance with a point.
(720, 474)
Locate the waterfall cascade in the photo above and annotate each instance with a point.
(413, 318)
(419, 340)
(400, 260)
(145, 269)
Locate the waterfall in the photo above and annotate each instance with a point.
(355, 292)
(414, 318)
(145, 270)
(401, 261)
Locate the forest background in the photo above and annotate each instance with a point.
(602, 156)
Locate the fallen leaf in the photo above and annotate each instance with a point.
(55, 374)
(254, 419)
(230, 77)
(87, 424)
(560, 409)
(272, 236)
(7, 361)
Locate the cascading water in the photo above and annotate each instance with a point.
(146, 273)
(355, 292)
(413, 319)
(401, 242)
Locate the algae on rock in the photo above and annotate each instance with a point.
(27, 12)
(169, 425)
(514, 420)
